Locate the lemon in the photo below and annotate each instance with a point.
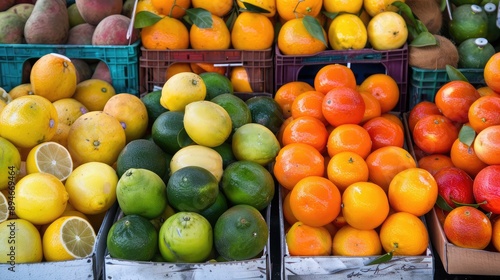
(28, 120)
(339, 6)
(53, 76)
(68, 238)
(40, 198)
(50, 157)
(374, 7)
(21, 90)
(347, 32)
(10, 163)
(255, 142)
(387, 31)
(4, 208)
(182, 89)
(207, 123)
(94, 93)
(68, 110)
(198, 155)
(92, 187)
(28, 243)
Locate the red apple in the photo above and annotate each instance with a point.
(487, 189)
(454, 185)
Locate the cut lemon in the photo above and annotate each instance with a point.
(4, 208)
(50, 157)
(67, 238)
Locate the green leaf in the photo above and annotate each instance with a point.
(200, 17)
(421, 26)
(145, 19)
(254, 9)
(406, 11)
(183, 138)
(423, 39)
(442, 7)
(466, 135)
(441, 203)
(231, 19)
(454, 74)
(382, 259)
(314, 28)
(330, 15)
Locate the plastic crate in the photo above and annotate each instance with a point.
(425, 83)
(153, 65)
(364, 63)
(122, 61)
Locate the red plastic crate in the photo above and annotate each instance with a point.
(364, 63)
(153, 65)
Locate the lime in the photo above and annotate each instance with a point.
(141, 153)
(216, 84)
(186, 237)
(141, 192)
(474, 53)
(207, 123)
(266, 111)
(469, 21)
(132, 238)
(152, 102)
(226, 152)
(192, 188)
(182, 89)
(197, 155)
(9, 165)
(247, 182)
(236, 108)
(213, 212)
(28, 243)
(240, 233)
(255, 142)
(166, 130)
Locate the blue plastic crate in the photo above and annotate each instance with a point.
(122, 61)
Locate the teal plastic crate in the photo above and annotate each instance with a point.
(122, 61)
(425, 83)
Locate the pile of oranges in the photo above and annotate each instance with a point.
(350, 187)
(457, 139)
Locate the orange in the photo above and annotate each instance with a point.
(308, 104)
(286, 94)
(287, 210)
(434, 163)
(171, 8)
(372, 107)
(349, 137)
(168, 33)
(292, 9)
(315, 201)
(394, 118)
(386, 162)
(487, 145)
(420, 110)
(384, 88)
(465, 158)
(387, 31)
(492, 73)
(240, 80)
(279, 135)
(435, 134)
(495, 238)
(484, 112)
(216, 37)
(304, 240)
(296, 161)
(364, 205)
(267, 5)
(339, 221)
(217, 7)
(307, 130)
(404, 234)
(252, 31)
(485, 90)
(177, 67)
(94, 93)
(454, 98)
(468, 227)
(346, 168)
(373, 7)
(201, 67)
(350, 241)
(413, 190)
(53, 76)
(334, 75)
(146, 5)
(343, 105)
(294, 39)
(384, 132)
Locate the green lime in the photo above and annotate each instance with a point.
(132, 238)
(247, 182)
(141, 192)
(266, 111)
(186, 237)
(141, 153)
(226, 152)
(213, 212)
(207, 123)
(192, 188)
(236, 108)
(216, 84)
(469, 21)
(474, 53)
(153, 106)
(255, 142)
(241, 233)
(166, 131)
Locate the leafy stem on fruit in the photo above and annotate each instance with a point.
(441, 203)
(314, 28)
(466, 135)
(251, 8)
(199, 17)
(384, 258)
(419, 35)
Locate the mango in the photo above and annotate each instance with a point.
(12, 26)
(93, 11)
(48, 23)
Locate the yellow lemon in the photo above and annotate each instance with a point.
(28, 246)
(255, 142)
(346, 32)
(197, 155)
(268, 5)
(92, 187)
(28, 120)
(4, 208)
(68, 238)
(40, 198)
(21, 90)
(68, 110)
(61, 135)
(53, 76)
(207, 123)
(131, 112)
(387, 31)
(50, 157)
(94, 93)
(374, 7)
(343, 6)
(182, 89)
(10, 163)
